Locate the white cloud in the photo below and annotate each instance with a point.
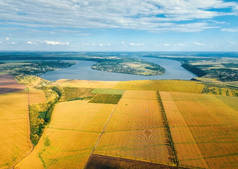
(229, 29)
(198, 44)
(29, 42)
(7, 38)
(179, 44)
(134, 44)
(153, 15)
(166, 44)
(97, 44)
(56, 43)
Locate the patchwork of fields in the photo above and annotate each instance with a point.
(68, 141)
(137, 124)
(136, 130)
(213, 130)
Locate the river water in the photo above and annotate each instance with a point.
(82, 70)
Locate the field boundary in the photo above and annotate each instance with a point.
(29, 129)
(101, 134)
(104, 161)
(174, 157)
(176, 115)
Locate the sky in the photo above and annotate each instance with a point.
(119, 25)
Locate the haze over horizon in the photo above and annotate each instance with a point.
(112, 25)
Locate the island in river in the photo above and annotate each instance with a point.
(134, 67)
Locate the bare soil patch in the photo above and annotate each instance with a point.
(8, 84)
(107, 162)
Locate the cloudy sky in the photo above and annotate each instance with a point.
(119, 25)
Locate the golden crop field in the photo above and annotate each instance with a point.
(86, 83)
(37, 96)
(204, 122)
(68, 140)
(187, 150)
(162, 85)
(127, 121)
(136, 113)
(230, 101)
(15, 141)
(136, 130)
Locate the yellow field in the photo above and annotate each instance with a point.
(203, 127)
(68, 141)
(162, 85)
(15, 141)
(86, 83)
(144, 145)
(136, 113)
(136, 130)
(80, 116)
(230, 101)
(205, 122)
(140, 95)
(36, 96)
(187, 150)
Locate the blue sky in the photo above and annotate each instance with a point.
(114, 25)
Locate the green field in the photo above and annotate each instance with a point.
(106, 98)
(74, 93)
(107, 91)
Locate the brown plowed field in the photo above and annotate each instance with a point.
(9, 84)
(107, 162)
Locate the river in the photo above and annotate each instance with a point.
(82, 70)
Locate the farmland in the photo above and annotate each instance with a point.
(164, 85)
(15, 142)
(94, 124)
(136, 129)
(68, 140)
(9, 84)
(74, 93)
(14, 123)
(209, 131)
(40, 112)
